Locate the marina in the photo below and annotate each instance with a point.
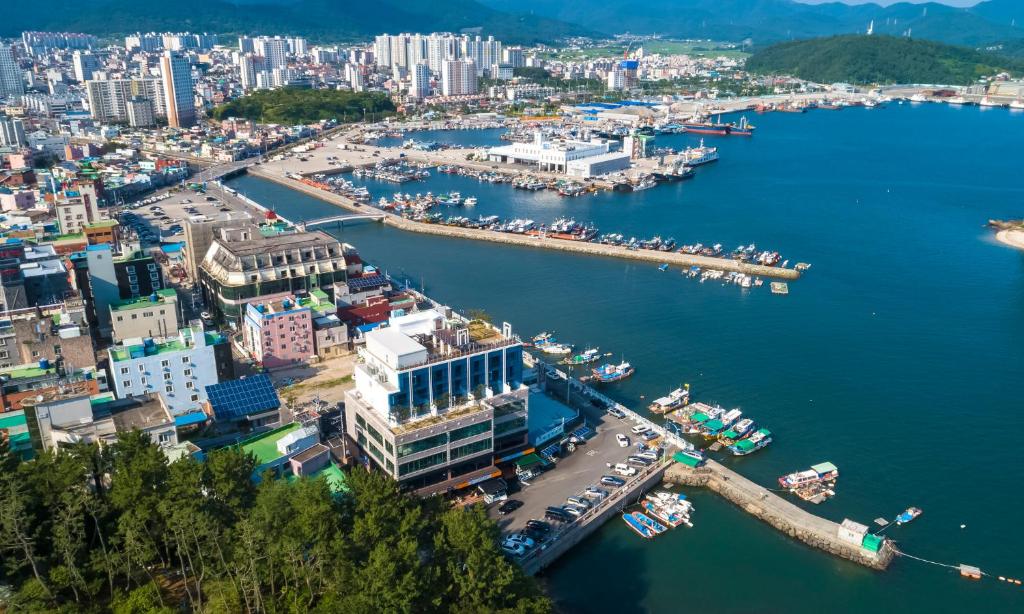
(871, 255)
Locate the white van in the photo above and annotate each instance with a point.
(640, 428)
(623, 469)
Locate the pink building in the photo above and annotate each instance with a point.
(14, 200)
(280, 332)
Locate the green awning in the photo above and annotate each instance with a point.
(714, 425)
(744, 445)
(730, 434)
(686, 459)
(529, 461)
(824, 468)
(699, 417)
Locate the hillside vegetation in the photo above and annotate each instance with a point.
(291, 105)
(879, 59)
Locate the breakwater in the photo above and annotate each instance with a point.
(788, 518)
(593, 249)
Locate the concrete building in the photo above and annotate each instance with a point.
(140, 112)
(179, 91)
(423, 408)
(155, 315)
(247, 71)
(243, 264)
(11, 83)
(12, 132)
(84, 64)
(420, 84)
(199, 233)
(279, 333)
(178, 368)
(110, 100)
(274, 52)
(107, 278)
(553, 156)
(458, 78)
(64, 422)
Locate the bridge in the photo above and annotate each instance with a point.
(341, 219)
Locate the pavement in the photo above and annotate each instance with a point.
(571, 475)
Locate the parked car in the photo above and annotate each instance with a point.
(615, 411)
(578, 502)
(509, 506)
(650, 435)
(611, 480)
(557, 514)
(522, 540)
(574, 510)
(595, 493)
(538, 526)
(649, 454)
(513, 549)
(638, 461)
(623, 440)
(624, 469)
(640, 429)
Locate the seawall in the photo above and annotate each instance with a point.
(593, 249)
(788, 518)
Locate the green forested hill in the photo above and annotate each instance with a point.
(879, 59)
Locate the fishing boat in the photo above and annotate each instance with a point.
(469, 202)
(988, 102)
(552, 347)
(760, 439)
(663, 514)
(641, 529)
(663, 267)
(608, 373)
(583, 358)
(649, 522)
(822, 472)
(910, 514)
(674, 400)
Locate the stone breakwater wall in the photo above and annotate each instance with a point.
(765, 505)
(580, 247)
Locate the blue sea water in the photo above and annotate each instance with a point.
(899, 356)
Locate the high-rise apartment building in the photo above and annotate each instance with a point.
(109, 99)
(85, 64)
(179, 92)
(274, 52)
(420, 86)
(12, 132)
(458, 77)
(11, 83)
(247, 71)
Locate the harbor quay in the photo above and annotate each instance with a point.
(834, 538)
(582, 247)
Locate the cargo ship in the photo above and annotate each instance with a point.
(718, 128)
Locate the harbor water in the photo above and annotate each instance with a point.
(899, 356)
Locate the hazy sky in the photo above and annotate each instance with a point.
(888, 2)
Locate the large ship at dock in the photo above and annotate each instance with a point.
(674, 400)
(720, 129)
(822, 472)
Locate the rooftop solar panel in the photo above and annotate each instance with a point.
(243, 397)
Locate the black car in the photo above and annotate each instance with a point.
(509, 506)
(558, 514)
(538, 526)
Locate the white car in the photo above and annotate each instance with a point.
(640, 428)
(623, 440)
(623, 469)
(513, 549)
(520, 540)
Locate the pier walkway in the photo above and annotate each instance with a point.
(779, 513)
(594, 249)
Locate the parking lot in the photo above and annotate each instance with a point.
(573, 474)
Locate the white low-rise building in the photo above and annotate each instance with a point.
(552, 156)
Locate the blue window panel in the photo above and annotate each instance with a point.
(421, 387)
(494, 379)
(439, 379)
(477, 371)
(402, 396)
(514, 366)
(460, 377)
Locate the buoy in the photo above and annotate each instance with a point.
(1002, 579)
(963, 526)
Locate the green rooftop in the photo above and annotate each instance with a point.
(333, 474)
(264, 446)
(26, 371)
(141, 350)
(102, 224)
(139, 303)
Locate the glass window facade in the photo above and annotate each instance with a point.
(420, 445)
(422, 463)
(471, 448)
(469, 431)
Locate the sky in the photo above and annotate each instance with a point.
(888, 2)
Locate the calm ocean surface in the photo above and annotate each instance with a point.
(899, 356)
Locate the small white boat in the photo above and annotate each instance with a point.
(469, 202)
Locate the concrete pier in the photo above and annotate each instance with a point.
(779, 513)
(593, 249)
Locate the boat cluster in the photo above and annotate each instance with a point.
(340, 185)
(484, 176)
(661, 511)
(406, 203)
(723, 427)
(603, 374)
(391, 171)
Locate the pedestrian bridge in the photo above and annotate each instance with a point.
(340, 220)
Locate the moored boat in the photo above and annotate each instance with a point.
(640, 528)
(583, 358)
(612, 373)
(822, 472)
(908, 515)
(760, 439)
(674, 400)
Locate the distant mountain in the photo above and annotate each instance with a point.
(858, 58)
(318, 19)
(767, 21)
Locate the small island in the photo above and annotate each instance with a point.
(1010, 232)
